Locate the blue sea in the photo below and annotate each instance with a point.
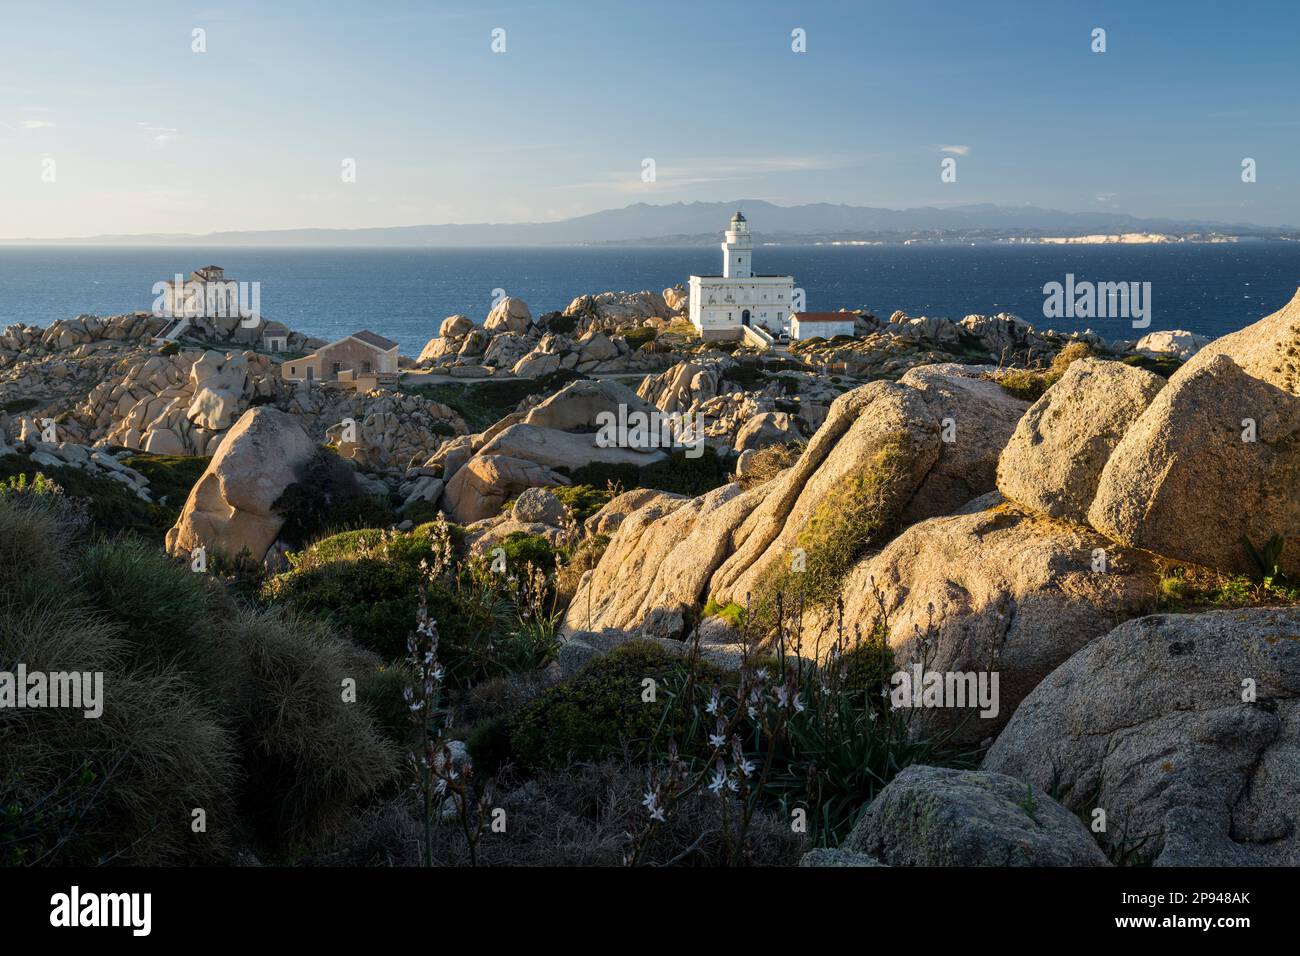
(405, 293)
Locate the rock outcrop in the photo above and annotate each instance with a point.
(1213, 462)
(229, 509)
(996, 590)
(1268, 350)
(1176, 343)
(889, 435)
(509, 315)
(657, 565)
(931, 816)
(482, 485)
(1056, 455)
(1183, 728)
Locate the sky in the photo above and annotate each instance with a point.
(111, 122)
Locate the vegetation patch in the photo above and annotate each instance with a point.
(858, 511)
(1030, 384)
(16, 405)
(599, 712)
(483, 404)
(111, 506)
(326, 498)
(171, 477)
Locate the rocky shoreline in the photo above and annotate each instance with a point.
(1112, 529)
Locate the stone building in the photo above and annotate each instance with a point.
(360, 359)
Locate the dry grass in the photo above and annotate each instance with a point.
(579, 816)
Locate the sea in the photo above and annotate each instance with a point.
(404, 293)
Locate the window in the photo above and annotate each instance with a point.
(336, 366)
(293, 370)
(365, 368)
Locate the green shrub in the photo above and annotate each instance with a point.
(170, 476)
(111, 507)
(308, 754)
(168, 615)
(37, 526)
(561, 324)
(584, 500)
(482, 404)
(380, 689)
(601, 474)
(859, 510)
(640, 336)
(750, 376)
(1023, 384)
(522, 548)
(120, 788)
(327, 497)
(419, 512)
(599, 713)
(367, 583)
(684, 475)
(1163, 365)
(732, 613)
(489, 744)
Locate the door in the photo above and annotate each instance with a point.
(744, 317)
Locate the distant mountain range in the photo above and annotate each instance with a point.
(699, 222)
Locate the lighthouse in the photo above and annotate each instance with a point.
(722, 305)
(737, 250)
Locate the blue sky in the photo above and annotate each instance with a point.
(148, 136)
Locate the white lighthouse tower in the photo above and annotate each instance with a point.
(737, 250)
(721, 306)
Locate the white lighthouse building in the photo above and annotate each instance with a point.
(721, 305)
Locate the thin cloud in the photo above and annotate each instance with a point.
(36, 124)
(162, 134)
(958, 150)
(669, 177)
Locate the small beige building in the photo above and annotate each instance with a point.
(275, 336)
(362, 359)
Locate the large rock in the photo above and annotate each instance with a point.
(1055, 457)
(578, 406)
(449, 340)
(1175, 342)
(1183, 482)
(657, 565)
(932, 439)
(998, 590)
(676, 298)
(879, 444)
(558, 449)
(1151, 723)
(608, 518)
(767, 428)
(976, 417)
(680, 388)
(229, 508)
(479, 488)
(1268, 350)
(509, 315)
(931, 816)
(455, 326)
(539, 506)
(884, 429)
(219, 382)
